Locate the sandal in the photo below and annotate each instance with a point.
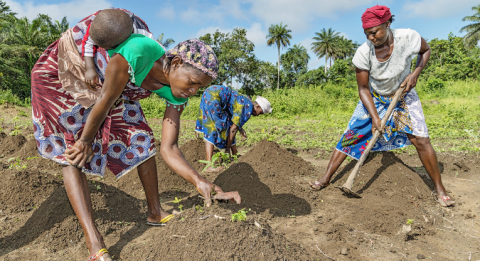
(99, 255)
(443, 201)
(160, 223)
(316, 185)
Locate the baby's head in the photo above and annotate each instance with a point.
(110, 28)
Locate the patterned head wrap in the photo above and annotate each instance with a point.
(198, 54)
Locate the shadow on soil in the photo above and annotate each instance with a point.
(257, 195)
(388, 159)
(55, 215)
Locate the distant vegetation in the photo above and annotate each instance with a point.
(22, 41)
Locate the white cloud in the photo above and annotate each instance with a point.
(74, 10)
(198, 12)
(298, 15)
(166, 12)
(190, 15)
(211, 30)
(437, 8)
(257, 34)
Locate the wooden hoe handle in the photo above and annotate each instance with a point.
(348, 184)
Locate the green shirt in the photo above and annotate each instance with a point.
(141, 53)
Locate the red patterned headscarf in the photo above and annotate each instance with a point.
(375, 16)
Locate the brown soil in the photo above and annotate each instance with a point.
(286, 220)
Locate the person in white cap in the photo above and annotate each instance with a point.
(222, 114)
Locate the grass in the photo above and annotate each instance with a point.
(315, 117)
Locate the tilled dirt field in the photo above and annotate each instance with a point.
(397, 218)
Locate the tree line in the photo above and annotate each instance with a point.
(22, 41)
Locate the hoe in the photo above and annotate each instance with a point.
(347, 187)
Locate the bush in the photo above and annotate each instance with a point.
(434, 85)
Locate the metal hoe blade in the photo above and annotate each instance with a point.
(350, 192)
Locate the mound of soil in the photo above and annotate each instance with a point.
(392, 193)
(11, 144)
(196, 235)
(265, 180)
(25, 190)
(294, 220)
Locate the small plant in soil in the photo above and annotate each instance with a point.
(177, 200)
(220, 158)
(17, 164)
(199, 208)
(410, 221)
(180, 207)
(241, 215)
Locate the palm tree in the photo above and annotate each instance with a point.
(324, 44)
(344, 48)
(278, 35)
(57, 28)
(299, 57)
(473, 30)
(167, 42)
(6, 17)
(22, 32)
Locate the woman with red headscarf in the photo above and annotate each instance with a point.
(382, 66)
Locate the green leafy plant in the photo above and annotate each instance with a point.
(434, 84)
(180, 207)
(177, 200)
(410, 221)
(220, 158)
(199, 208)
(22, 113)
(241, 215)
(17, 164)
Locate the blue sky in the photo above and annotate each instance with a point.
(186, 19)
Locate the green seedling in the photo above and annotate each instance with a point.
(410, 221)
(17, 164)
(241, 215)
(219, 159)
(30, 158)
(180, 207)
(98, 187)
(17, 131)
(199, 208)
(177, 200)
(22, 113)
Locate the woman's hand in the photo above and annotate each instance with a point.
(410, 82)
(243, 133)
(79, 154)
(376, 124)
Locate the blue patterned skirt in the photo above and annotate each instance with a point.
(406, 118)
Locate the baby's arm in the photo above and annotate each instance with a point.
(91, 77)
